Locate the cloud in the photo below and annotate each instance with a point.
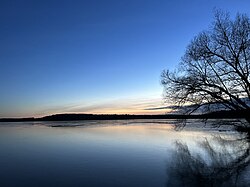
(157, 108)
(113, 106)
(127, 105)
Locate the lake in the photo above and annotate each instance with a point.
(129, 153)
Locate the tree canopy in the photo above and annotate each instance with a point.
(215, 67)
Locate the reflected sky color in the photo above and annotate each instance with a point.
(99, 153)
(59, 54)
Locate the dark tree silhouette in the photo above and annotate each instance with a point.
(215, 67)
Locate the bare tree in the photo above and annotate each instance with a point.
(215, 67)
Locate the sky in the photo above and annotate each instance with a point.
(95, 56)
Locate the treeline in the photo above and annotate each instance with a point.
(78, 117)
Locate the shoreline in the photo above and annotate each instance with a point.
(82, 117)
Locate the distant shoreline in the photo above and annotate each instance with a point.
(79, 117)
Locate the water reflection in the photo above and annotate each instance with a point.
(219, 161)
(120, 153)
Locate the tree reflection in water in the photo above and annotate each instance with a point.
(220, 161)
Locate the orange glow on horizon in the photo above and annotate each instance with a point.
(149, 106)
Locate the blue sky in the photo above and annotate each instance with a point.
(95, 56)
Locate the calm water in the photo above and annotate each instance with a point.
(120, 153)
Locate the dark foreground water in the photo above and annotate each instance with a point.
(129, 153)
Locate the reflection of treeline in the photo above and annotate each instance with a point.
(73, 117)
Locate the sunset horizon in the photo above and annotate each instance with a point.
(124, 93)
(88, 57)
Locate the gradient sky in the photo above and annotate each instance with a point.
(94, 56)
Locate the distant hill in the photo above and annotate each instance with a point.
(77, 117)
